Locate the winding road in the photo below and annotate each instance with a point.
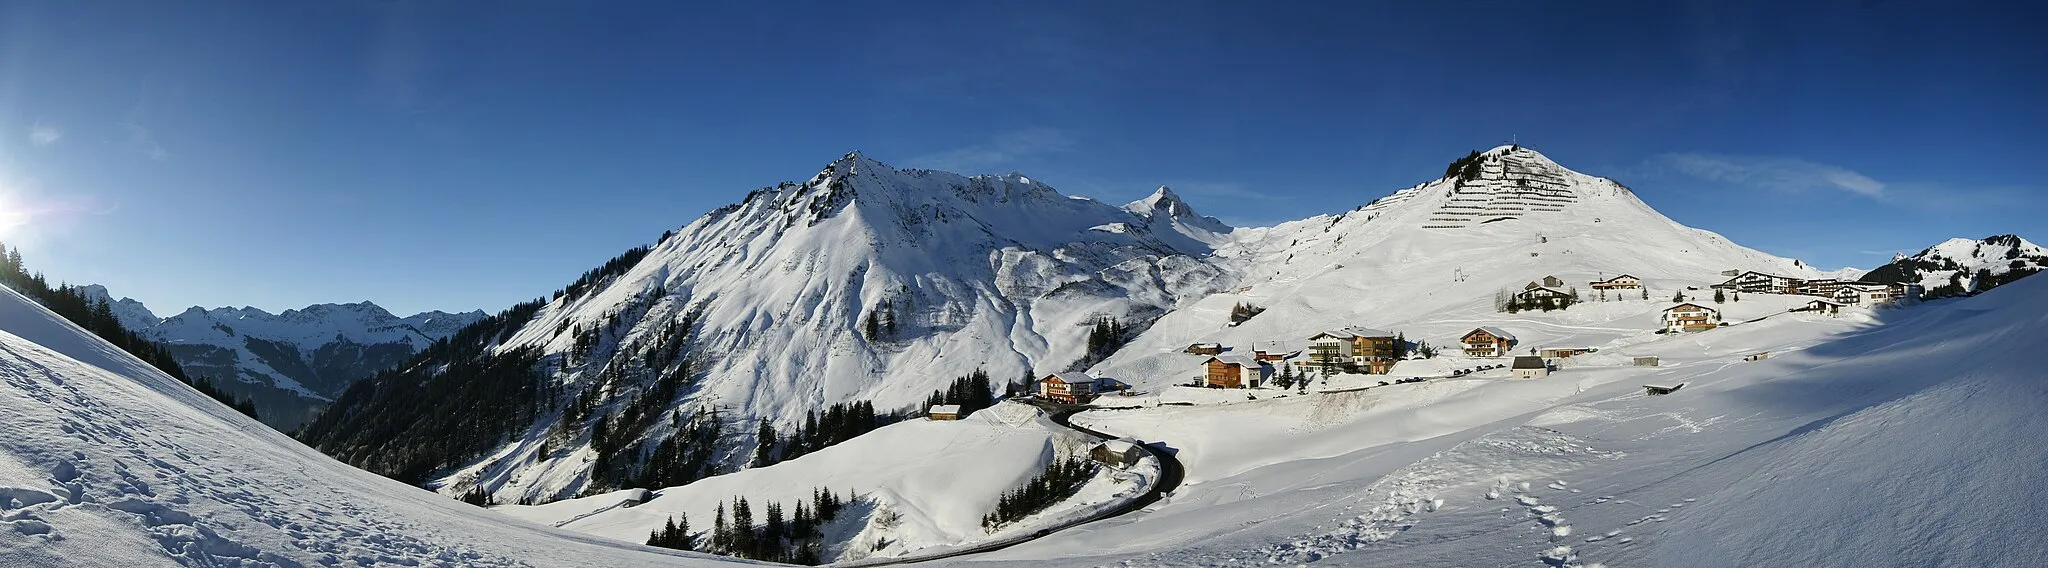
(1170, 475)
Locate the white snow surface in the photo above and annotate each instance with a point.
(107, 462)
(1903, 437)
(913, 486)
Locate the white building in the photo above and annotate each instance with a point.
(1690, 317)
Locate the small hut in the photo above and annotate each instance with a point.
(1120, 454)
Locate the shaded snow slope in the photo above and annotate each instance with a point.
(108, 462)
(1907, 437)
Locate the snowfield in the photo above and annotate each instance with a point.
(1910, 438)
(107, 462)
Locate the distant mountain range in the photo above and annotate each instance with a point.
(291, 364)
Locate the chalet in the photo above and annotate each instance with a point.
(1234, 372)
(1759, 283)
(1351, 346)
(1530, 367)
(1488, 342)
(1120, 454)
(1070, 388)
(1658, 390)
(1204, 349)
(1690, 317)
(944, 412)
(1827, 307)
(1622, 282)
(1539, 294)
(1553, 282)
(1647, 362)
(1562, 352)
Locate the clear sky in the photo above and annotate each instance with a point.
(462, 155)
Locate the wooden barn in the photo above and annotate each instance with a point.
(944, 412)
(1205, 349)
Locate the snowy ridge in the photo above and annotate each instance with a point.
(108, 462)
(1964, 266)
(293, 363)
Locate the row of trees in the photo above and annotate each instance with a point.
(1104, 338)
(838, 423)
(796, 538)
(1059, 481)
(96, 315)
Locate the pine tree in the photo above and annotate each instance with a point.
(1718, 297)
(1678, 297)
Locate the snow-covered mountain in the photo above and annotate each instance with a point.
(867, 282)
(291, 364)
(864, 282)
(1959, 267)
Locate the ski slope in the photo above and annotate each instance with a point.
(107, 462)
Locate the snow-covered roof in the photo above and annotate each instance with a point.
(1354, 331)
(1529, 362)
(945, 409)
(1496, 332)
(1072, 377)
(1239, 360)
(1703, 308)
(1544, 288)
(1119, 446)
(1618, 278)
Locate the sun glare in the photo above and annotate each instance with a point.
(13, 219)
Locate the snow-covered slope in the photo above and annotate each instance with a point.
(107, 462)
(1964, 266)
(1445, 246)
(291, 364)
(915, 485)
(1901, 437)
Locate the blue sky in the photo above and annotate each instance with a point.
(461, 155)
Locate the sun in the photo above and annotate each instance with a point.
(13, 217)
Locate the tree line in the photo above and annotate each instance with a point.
(795, 538)
(1060, 480)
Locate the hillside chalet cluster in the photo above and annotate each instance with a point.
(1360, 350)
